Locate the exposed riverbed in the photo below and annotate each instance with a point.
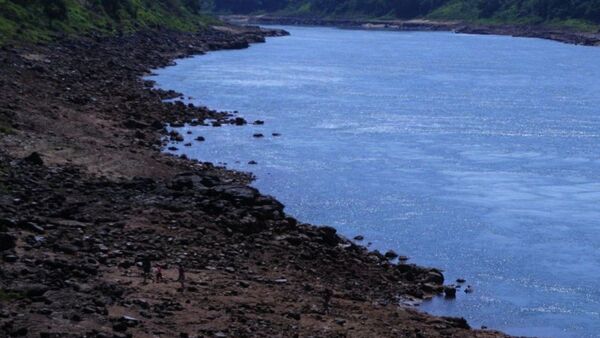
(475, 154)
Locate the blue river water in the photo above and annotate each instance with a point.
(479, 155)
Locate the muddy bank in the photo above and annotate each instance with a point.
(86, 197)
(566, 36)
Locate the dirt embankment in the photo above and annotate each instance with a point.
(561, 35)
(86, 196)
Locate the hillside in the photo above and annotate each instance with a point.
(39, 20)
(579, 14)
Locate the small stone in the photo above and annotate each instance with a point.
(340, 321)
(359, 238)
(258, 135)
(259, 122)
(200, 139)
(34, 158)
(253, 162)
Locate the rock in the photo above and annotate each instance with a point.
(403, 258)
(120, 327)
(329, 235)
(340, 321)
(7, 241)
(461, 281)
(450, 291)
(34, 158)
(253, 162)
(469, 289)
(239, 121)
(175, 136)
(258, 135)
(9, 258)
(458, 322)
(293, 315)
(200, 139)
(187, 145)
(32, 227)
(19, 332)
(173, 148)
(32, 290)
(435, 277)
(259, 122)
(133, 124)
(359, 238)
(276, 134)
(281, 281)
(391, 254)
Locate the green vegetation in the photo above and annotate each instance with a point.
(40, 20)
(5, 126)
(578, 14)
(6, 296)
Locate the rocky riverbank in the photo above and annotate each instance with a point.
(87, 196)
(566, 36)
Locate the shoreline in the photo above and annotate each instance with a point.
(565, 36)
(87, 194)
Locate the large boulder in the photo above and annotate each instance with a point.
(7, 241)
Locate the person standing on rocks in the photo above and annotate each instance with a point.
(159, 275)
(181, 278)
(327, 294)
(146, 268)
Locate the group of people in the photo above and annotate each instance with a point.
(158, 275)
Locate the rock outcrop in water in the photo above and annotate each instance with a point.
(87, 198)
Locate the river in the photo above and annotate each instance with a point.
(479, 155)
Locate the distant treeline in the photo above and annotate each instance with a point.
(34, 20)
(501, 10)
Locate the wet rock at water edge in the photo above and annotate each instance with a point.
(175, 136)
(253, 162)
(450, 291)
(239, 121)
(258, 135)
(391, 254)
(461, 281)
(173, 148)
(259, 122)
(359, 238)
(216, 124)
(200, 139)
(188, 145)
(276, 134)
(469, 289)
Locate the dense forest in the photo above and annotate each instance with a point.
(524, 11)
(35, 20)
